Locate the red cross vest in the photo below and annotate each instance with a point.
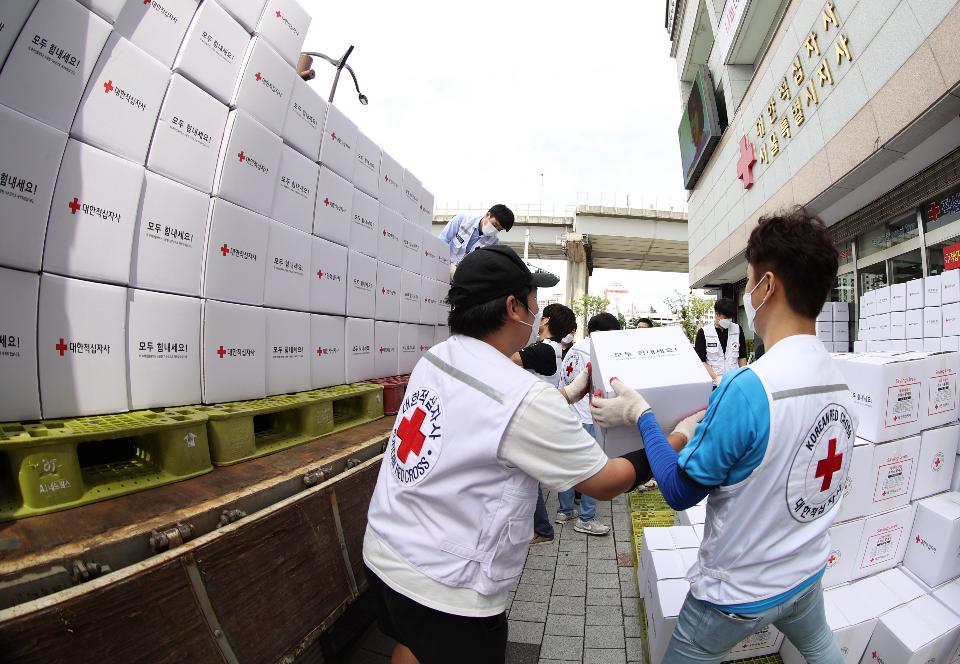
(444, 502)
(768, 533)
(721, 361)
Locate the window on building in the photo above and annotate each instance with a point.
(906, 267)
(938, 253)
(873, 276)
(891, 234)
(843, 290)
(941, 211)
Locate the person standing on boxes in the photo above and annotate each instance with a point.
(772, 454)
(466, 233)
(722, 346)
(449, 522)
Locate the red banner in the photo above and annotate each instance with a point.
(951, 256)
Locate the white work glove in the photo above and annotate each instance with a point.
(620, 411)
(688, 425)
(578, 388)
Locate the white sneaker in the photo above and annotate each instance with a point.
(592, 527)
(563, 517)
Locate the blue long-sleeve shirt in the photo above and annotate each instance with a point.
(450, 231)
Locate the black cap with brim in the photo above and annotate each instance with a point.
(493, 272)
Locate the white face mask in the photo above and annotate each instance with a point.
(534, 329)
(567, 339)
(748, 305)
(724, 323)
(489, 229)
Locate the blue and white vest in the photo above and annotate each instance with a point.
(458, 246)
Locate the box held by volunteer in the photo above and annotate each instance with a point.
(212, 51)
(360, 349)
(328, 277)
(886, 394)
(163, 349)
(918, 632)
(933, 549)
(20, 389)
(234, 349)
(661, 364)
(328, 350)
(288, 345)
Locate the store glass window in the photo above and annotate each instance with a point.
(941, 210)
(845, 250)
(891, 234)
(873, 276)
(943, 255)
(844, 289)
(906, 267)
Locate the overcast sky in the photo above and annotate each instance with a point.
(479, 99)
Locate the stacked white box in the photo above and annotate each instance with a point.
(364, 231)
(30, 157)
(212, 51)
(441, 334)
(51, 62)
(410, 289)
(361, 284)
(306, 115)
(263, 90)
(296, 192)
(169, 238)
(338, 147)
(932, 345)
(933, 549)
(13, 15)
(288, 345)
(919, 632)
(408, 346)
(826, 313)
(328, 347)
(287, 280)
(246, 12)
(898, 297)
(284, 23)
(20, 388)
(950, 315)
(328, 277)
(333, 218)
(82, 357)
(391, 182)
(425, 335)
(898, 325)
(235, 257)
(882, 300)
(936, 460)
(950, 287)
(881, 477)
(429, 311)
(939, 398)
(411, 198)
(107, 9)
(163, 349)
(412, 247)
(824, 330)
(842, 559)
(883, 541)
(932, 296)
(248, 163)
(426, 209)
(886, 395)
(388, 293)
(386, 338)
(188, 136)
(366, 172)
(118, 111)
(234, 349)
(390, 243)
(157, 28)
(94, 211)
(359, 342)
(915, 294)
(913, 323)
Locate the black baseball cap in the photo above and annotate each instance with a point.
(493, 272)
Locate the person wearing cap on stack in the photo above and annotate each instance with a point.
(448, 526)
(466, 233)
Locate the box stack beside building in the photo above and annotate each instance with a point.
(184, 220)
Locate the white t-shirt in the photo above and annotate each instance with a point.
(546, 441)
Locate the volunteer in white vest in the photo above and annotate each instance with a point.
(722, 347)
(772, 454)
(468, 232)
(449, 522)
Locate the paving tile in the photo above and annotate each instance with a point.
(603, 597)
(631, 627)
(572, 571)
(522, 631)
(627, 574)
(523, 653)
(631, 608)
(592, 656)
(529, 592)
(540, 562)
(561, 646)
(559, 661)
(563, 625)
(628, 589)
(538, 577)
(602, 566)
(570, 587)
(603, 636)
(529, 611)
(602, 580)
(604, 615)
(571, 606)
(634, 649)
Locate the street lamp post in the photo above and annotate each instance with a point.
(305, 68)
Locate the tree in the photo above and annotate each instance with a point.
(622, 320)
(590, 305)
(690, 309)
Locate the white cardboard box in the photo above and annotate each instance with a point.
(426, 338)
(881, 327)
(247, 12)
(248, 163)
(47, 85)
(410, 289)
(408, 347)
(913, 320)
(883, 541)
(364, 231)
(328, 344)
(919, 632)
(915, 294)
(212, 51)
(443, 257)
(163, 349)
(661, 364)
(426, 209)
(296, 192)
(936, 462)
(366, 172)
(119, 109)
(339, 144)
(950, 287)
(306, 115)
(428, 301)
(826, 313)
(896, 346)
(882, 300)
(107, 9)
(288, 346)
(898, 297)
(885, 482)
(898, 325)
(94, 212)
(263, 90)
(388, 293)
(334, 209)
(20, 389)
(188, 136)
(933, 549)
(169, 237)
(841, 311)
(328, 277)
(386, 336)
(411, 198)
(825, 331)
(285, 23)
(915, 345)
(31, 158)
(950, 314)
(886, 393)
(359, 342)
(236, 254)
(412, 247)
(391, 182)
(860, 472)
(234, 352)
(13, 15)
(932, 345)
(443, 301)
(157, 27)
(841, 330)
(868, 304)
(361, 285)
(82, 357)
(950, 344)
(878, 346)
(844, 543)
(861, 346)
(430, 263)
(939, 399)
(931, 291)
(287, 280)
(390, 244)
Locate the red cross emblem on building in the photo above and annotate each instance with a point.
(241, 156)
(108, 87)
(411, 438)
(748, 158)
(74, 205)
(934, 212)
(62, 347)
(258, 76)
(829, 465)
(221, 352)
(224, 249)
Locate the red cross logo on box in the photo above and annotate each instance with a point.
(74, 205)
(319, 274)
(62, 347)
(258, 76)
(326, 202)
(221, 352)
(108, 87)
(241, 156)
(279, 14)
(224, 249)
(333, 135)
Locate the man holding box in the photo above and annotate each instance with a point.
(772, 454)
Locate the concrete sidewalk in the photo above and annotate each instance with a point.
(576, 601)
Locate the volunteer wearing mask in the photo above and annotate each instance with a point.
(449, 522)
(468, 232)
(772, 454)
(722, 347)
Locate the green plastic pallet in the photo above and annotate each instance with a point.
(244, 430)
(58, 464)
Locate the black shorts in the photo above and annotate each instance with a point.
(436, 637)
